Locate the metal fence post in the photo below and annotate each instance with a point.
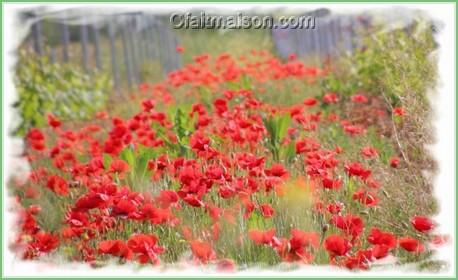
(133, 54)
(84, 40)
(127, 64)
(52, 55)
(65, 41)
(97, 50)
(316, 41)
(37, 37)
(164, 48)
(149, 37)
(114, 62)
(155, 40)
(141, 38)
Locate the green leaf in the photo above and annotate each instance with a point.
(289, 151)
(107, 160)
(256, 221)
(283, 125)
(128, 156)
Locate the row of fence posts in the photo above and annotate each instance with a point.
(135, 39)
(331, 36)
(143, 38)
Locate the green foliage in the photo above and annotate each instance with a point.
(393, 64)
(63, 90)
(277, 127)
(183, 128)
(137, 159)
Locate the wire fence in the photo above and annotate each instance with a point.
(332, 36)
(125, 44)
(121, 44)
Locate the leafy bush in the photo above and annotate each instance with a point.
(61, 89)
(392, 64)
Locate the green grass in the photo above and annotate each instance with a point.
(214, 42)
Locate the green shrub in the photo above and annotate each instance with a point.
(61, 89)
(394, 64)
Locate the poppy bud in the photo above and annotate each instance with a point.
(325, 228)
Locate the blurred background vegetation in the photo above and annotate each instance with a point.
(394, 64)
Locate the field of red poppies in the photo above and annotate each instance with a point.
(230, 162)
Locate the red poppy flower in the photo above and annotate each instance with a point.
(101, 115)
(399, 111)
(199, 142)
(439, 240)
(124, 207)
(227, 192)
(249, 208)
(161, 216)
(36, 139)
(53, 121)
(263, 237)
(277, 170)
(356, 169)
(148, 105)
(143, 87)
(179, 49)
(306, 145)
(220, 106)
(193, 201)
(369, 152)
(303, 239)
(329, 183)
(394, 162)
(310, 101)
(360, 260)
(378, 237)
(119, 166)
(338, 150)
(365, 197)
(330, 98)
(91, 200)
(354, 129)
(31, 192)
(146, 246)
(44, 242)
(298, 247)
(335, 208)
(267, 210)
(422, 223)
(380, 251)
(359, 98)
(35, 135)
(203, 251)
(336, 245)
(352, 225)
(372, 183)
(411, 244)
(115, 248)
(167, 198)
(57, 184)
(77, 219)
(249, 161)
